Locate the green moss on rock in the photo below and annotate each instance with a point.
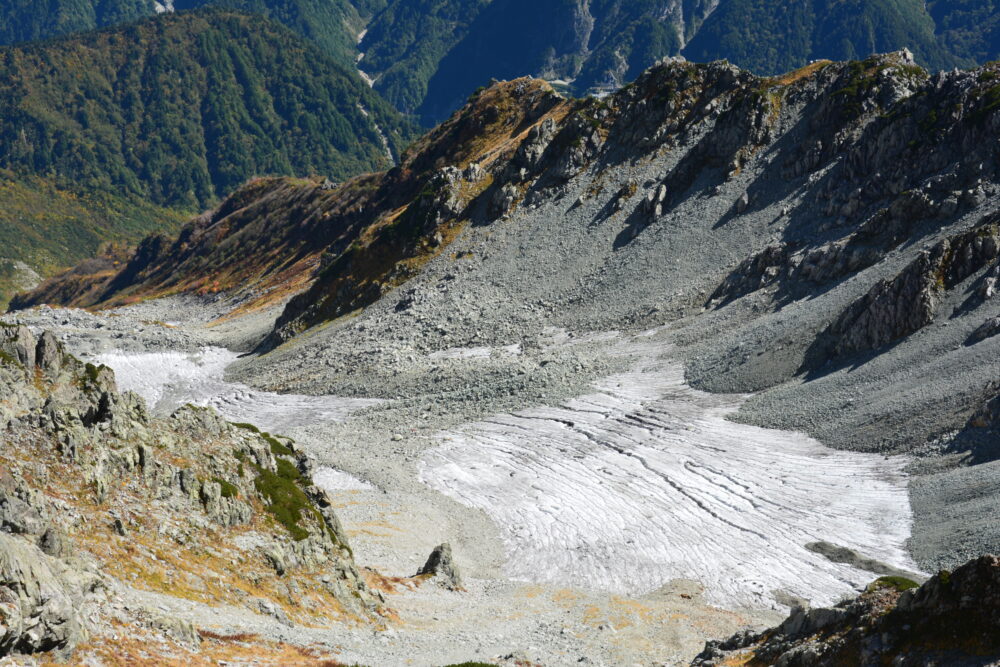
(285, 498)
(895, 582)
(228, 490)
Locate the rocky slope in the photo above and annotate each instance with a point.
(950, 620)
(102, 505)
(274, 237)
(825, 239)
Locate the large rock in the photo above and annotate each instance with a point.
(18, 343)
(892, 309)
(988, 329)
(18, 513)
(38, 611)
(441, 567)
(49, 354)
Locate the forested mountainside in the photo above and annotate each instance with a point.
(26, 20)
(333, 24)
(426, 57)
(449, 48)
(404, 44)
(170, 113)
(597, 45)
(770, 36)
(183, 108)
(970, 28)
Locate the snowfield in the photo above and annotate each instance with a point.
(168, 380)
(646, 481)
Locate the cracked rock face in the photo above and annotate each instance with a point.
(18, 343)
(909, 302)
(38, 605)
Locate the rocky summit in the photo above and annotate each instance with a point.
(712, 355)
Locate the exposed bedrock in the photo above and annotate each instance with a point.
(85, 468)
(40, 599)
(952, 619)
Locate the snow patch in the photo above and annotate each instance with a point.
(333, 480)
(476, 352)
(168, 380)
(646, 480)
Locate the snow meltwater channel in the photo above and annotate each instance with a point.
(646, 480)
(643, 481)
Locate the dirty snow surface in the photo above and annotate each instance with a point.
(168, 380)
(645, 481)
(333, 480)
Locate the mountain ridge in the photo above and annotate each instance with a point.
(133, 128)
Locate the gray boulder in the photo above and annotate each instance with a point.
(988, 329)
(18, 511)
(441, 567)
(178, 629)
(37, 611)
(49, 354)
(18, 342)
(54, 542)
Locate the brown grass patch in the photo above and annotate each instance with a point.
(387, 584)
(798, 74)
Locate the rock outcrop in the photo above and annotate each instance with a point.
(90, 482)
(901, 306)
(41, 600)
(951, 619)
(441, 568)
